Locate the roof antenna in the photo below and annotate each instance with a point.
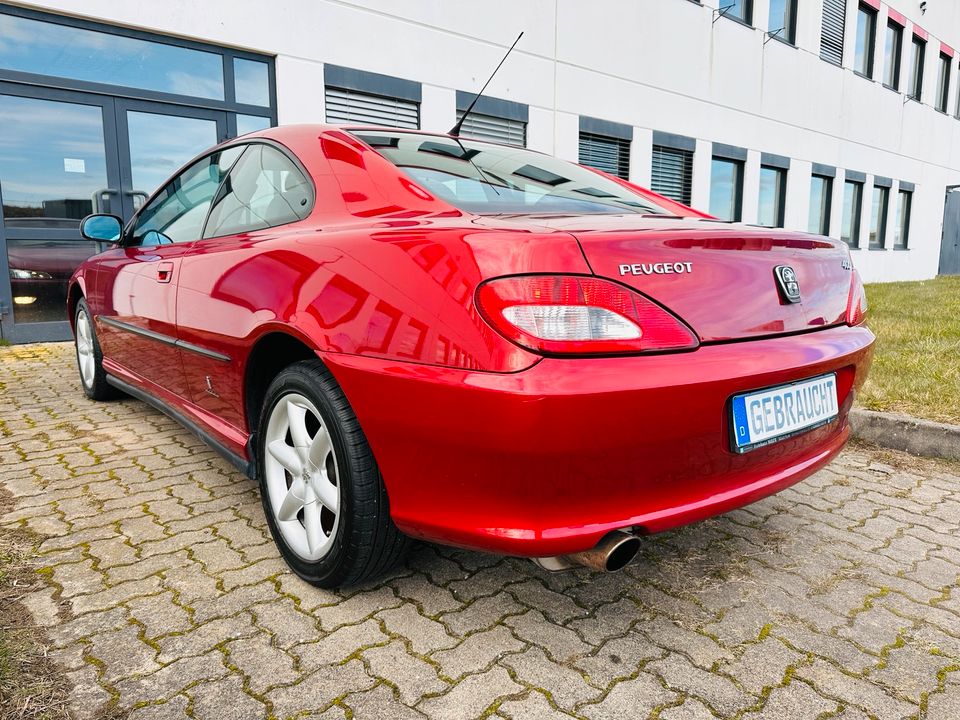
(455, 130)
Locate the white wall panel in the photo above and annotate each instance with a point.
(656, 65)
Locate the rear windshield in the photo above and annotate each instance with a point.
(490, 179)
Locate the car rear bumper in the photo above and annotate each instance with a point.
(548, 460)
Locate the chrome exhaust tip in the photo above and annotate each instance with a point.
(614, 552)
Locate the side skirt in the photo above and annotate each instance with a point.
(243, 465)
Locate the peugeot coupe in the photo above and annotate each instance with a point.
(403, 335)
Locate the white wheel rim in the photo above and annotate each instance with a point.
(85, 358)
(302, 477)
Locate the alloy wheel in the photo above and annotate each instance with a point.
(301, 476)
(85, 349)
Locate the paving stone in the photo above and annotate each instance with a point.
(320, 688)
(225, 697)
(832, 683)
(471, 697)
(796, 701)
(173, 709)
(122, 654)
(481, 614)
(87, 696)
(559, 642)
(477, 652)
(340, 644)
(637, 697)
(159, 614)
(762, 665)
(355, 609)
(172, 678)
(379, 704)
(702, 650)
(532, 707)
(198, 640)
(261, 663)
(557, 608)
(288, 625)
(618, 659)
(434, 599)
(717, 691)
(566, 686)
(690, 709)
(412, 676)
(423, 633)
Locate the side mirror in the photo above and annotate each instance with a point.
(102, 228)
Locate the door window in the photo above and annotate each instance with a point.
(264, 189)
(177, 213)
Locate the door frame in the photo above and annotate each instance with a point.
(57, 329)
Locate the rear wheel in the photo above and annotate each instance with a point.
(93, 378)
(321, 489)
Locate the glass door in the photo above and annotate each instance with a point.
(156, 140)
(58, 163)
(64, 155)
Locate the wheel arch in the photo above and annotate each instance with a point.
(75, 292)
(273, 351)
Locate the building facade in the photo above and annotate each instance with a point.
(838, 117)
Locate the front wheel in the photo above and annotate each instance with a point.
(93, 378)
(322, 494)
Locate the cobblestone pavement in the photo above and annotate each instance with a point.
(167, 597)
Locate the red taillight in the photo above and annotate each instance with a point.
(857, 301)
(572, 314)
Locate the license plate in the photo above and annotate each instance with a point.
(767, 416)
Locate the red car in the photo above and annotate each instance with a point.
(403, 334)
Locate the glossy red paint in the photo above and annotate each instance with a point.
(481, 442)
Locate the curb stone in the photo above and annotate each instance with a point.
(907, 433)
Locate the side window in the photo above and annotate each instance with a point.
(264, 189)
(177, 213)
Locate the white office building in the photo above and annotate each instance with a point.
(831, 116)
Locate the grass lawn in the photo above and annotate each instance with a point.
(916, 366)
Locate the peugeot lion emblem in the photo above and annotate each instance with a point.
(787, 281)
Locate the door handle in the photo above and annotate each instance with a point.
(164, 272)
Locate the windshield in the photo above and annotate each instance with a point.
(484, 178)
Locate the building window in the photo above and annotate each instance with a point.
(741, 10)
(852, 207)
(878, 217)
(943, 82)
(783, 20)
(917, 52)
(773, 190)
(610, 154)
(726, 189)
(821, 196)
(831, 30)
(493, 128)
(673, 173)
(901, 230)
(492, 119)
(866, 40)
(892, 50)
(353, 106)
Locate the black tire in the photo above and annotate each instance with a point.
(366, 543)
(97, 388)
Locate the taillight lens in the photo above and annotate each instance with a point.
(572, 314)
(857, 301)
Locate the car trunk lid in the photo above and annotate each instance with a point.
(718, 277)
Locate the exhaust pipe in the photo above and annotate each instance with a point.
(614, 552)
